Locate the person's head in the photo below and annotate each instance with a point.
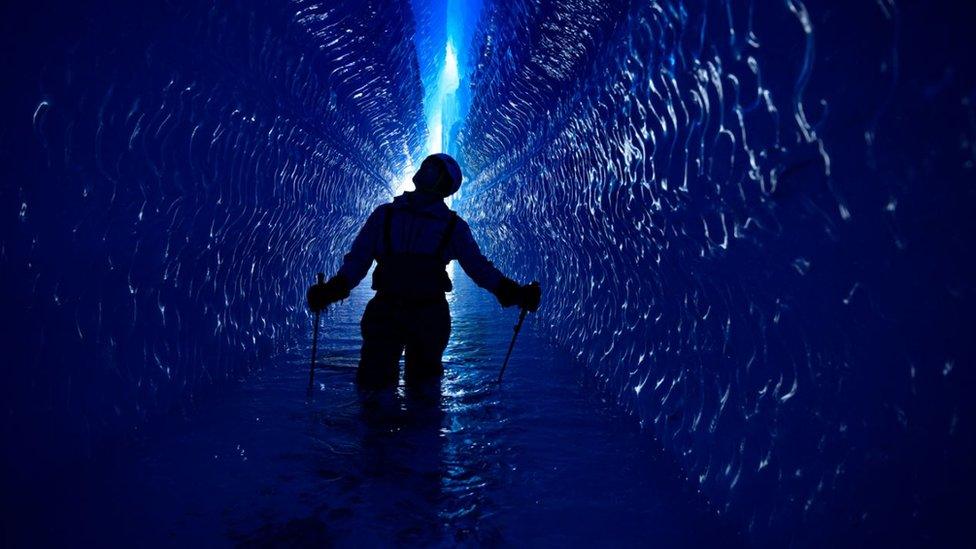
(439, 174)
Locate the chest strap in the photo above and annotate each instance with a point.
(387, 241)
(441, 246)
(446, 237)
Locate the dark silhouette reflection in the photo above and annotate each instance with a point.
(380, 476)
(401, 456)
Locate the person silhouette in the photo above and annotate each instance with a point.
(412, 239)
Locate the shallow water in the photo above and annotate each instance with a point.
(540, 460)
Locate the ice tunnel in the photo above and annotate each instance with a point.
(752, 222)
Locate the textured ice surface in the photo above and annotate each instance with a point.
(722, 238)
(198, 165)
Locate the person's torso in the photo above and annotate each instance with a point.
(413, 250)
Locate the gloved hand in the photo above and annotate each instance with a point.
(528, 296)
(531, 296)
(323, 294)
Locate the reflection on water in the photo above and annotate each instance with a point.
(537, 460)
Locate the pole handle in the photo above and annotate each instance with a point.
(518, 326)
(315, 343)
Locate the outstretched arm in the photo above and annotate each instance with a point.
(474, 263)
(354, 267)
(484, 273)
(357, 262)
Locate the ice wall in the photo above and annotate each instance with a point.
(175, 175)
(751, 221)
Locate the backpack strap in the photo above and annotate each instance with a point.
(387, 224)
(446, 238)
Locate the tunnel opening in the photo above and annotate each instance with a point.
(752, 222)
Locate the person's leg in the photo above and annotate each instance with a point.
(383, 340)
(427, 331)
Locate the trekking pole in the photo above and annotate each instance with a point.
(518, 327)
(315, 343)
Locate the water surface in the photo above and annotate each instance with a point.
(540, 460)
